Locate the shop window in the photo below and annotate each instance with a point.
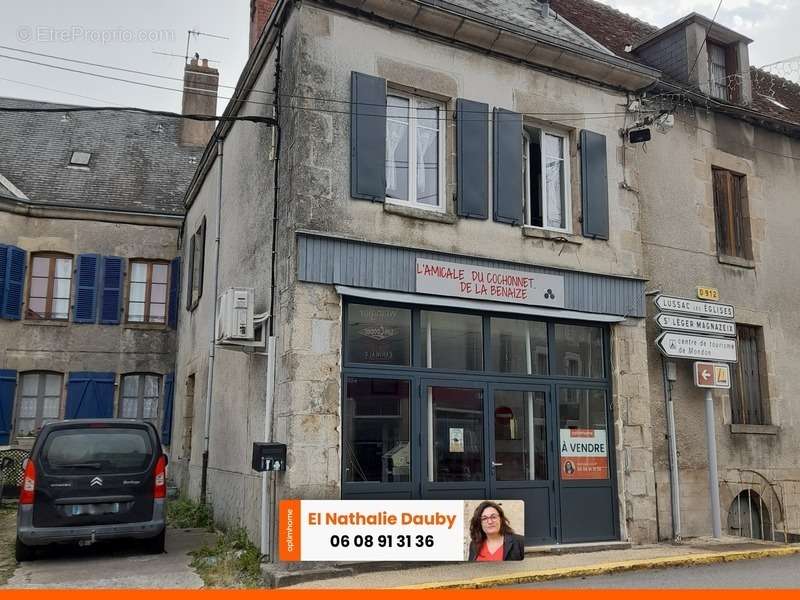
(583, 434)
(748, 387)
(732, 214)
(518, 346)
(147, 295)
(455, 437)
(545, 164)
(39, 402)
(414, 151)
(140, 399)
(378, 335)
(578, 351)
(451, 341)
(50, 287)
(377, 426)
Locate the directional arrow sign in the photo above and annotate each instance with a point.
(696, 325)
(684, 345)
(687, 306)
(712, 375)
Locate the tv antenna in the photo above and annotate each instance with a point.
(197, 34)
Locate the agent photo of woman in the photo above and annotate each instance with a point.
(492, 537)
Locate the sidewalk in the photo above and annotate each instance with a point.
(543, 567)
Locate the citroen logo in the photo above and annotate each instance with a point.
(95, 481)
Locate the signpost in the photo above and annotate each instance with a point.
(684, 345)
(688, 335)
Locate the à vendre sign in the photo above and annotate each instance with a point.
(459, 280)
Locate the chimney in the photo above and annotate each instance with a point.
(544, 6)
(200, 88)
(259, 15)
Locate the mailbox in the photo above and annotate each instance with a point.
(269, 457)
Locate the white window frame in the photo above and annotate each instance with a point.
(412, 152)
(40, 396)
(717, 89)
(527, 132)
(140, 396)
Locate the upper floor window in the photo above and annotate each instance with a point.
(39, 401)
(748, 386)
(197, 246)
(140, 398)
(414, 151)
(546, 178)
(50, 286)
(717, 71)
(147, 295)
(731, 214)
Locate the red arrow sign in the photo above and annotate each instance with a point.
(711, 375)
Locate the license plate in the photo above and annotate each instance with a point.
(107, 508)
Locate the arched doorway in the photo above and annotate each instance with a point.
(748, 516)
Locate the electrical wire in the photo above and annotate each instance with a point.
(49, 89)
(270, 104)
(131, 109)
(705, 39)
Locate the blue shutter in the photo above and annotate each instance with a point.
(12, 264)
(111, 298)
(594, 185)
(86, 289)
(90, 395)
(368, 137)
(8, 383)
(174, 292)
(169, 399)
(472, 133)
(507, 166)
(3, 269)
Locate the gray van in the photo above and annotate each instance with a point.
(92, 480)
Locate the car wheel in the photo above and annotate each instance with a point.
(155, 545)
(23, 552)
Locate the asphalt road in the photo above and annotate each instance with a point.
(115, 565)
(783, 572)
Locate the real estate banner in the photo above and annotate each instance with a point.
(584, 454)
(379, 530)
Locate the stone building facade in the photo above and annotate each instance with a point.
(90, 216)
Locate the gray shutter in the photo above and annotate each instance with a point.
(368, 137)
(472, 132)
(594, 184)
(507, 166)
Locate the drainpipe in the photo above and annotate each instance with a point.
(674, 485)
(269, 496)
(212, 333)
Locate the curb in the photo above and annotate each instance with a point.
(606, 568)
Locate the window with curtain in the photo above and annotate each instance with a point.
(50, 286)
(717, 71)
(546, 178)
(39, 401)
(414, 150)
(140, 398)
(731, 213)
(148, 291)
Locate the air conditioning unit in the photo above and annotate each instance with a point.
(235, 316)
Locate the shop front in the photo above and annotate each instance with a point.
(449, 396)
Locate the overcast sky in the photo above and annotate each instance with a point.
(127, 34)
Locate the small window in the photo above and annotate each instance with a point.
(197, 247)
(80, 159)
(546, 179)
(717, 71)
(748, 388)
(50, 287)
(731, 213)
(140, 398)
(415, 151)
(378, 335)
(147, 294)
(39, 402)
